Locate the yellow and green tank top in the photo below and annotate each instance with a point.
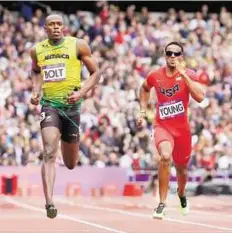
(60, 69)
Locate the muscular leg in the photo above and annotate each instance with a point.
(165, 150)
(70, 152)
(157, 158)
(182, 178)
(50, 136)
(70, 138)
(181, 156)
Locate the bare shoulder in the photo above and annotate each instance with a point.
(83, 47)
(82, 42)
(84, 54)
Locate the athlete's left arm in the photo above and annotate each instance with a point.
(196, 89)
(84, 54)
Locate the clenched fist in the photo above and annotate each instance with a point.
(74, 97)
(35, 97)
(141, 119)
(180, 66)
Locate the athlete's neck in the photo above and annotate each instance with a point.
(170, 71)
(56, 42)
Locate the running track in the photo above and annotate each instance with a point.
(114, 214)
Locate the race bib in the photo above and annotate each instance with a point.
(171, 110)
(54, 73)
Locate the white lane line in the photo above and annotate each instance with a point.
(63, 201)
(44, 230)
(63, 216)
(146, 206)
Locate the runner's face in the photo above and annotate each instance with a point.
(172, 53)
(54, 28)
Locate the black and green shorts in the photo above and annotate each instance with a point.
(66, 119)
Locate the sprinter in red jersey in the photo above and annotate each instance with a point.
(173, 84)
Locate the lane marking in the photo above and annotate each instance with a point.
(146, 206)
(48, 230)
(62, 216)
(63, 201)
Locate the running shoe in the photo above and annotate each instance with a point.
(184, 204)
(160, 211)
(51, 211)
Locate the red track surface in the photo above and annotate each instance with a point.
(119, 215)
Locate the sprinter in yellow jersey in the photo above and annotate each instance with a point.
(56, 78)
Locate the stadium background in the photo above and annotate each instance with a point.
(126, 49)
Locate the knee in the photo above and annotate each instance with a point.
(70, 160)
(49, 153)
(165, 159)
(182, 171)
(165, 150)
(71, 166)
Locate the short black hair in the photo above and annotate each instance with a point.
(175, 43)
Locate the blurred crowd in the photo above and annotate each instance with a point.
(127, 45)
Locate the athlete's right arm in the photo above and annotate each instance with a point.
(36, 78)
(144, 95)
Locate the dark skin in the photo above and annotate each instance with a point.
(164, 152)
(54, 28)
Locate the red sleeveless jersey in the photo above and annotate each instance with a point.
(172, 99)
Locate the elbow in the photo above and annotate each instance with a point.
(200, 98)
